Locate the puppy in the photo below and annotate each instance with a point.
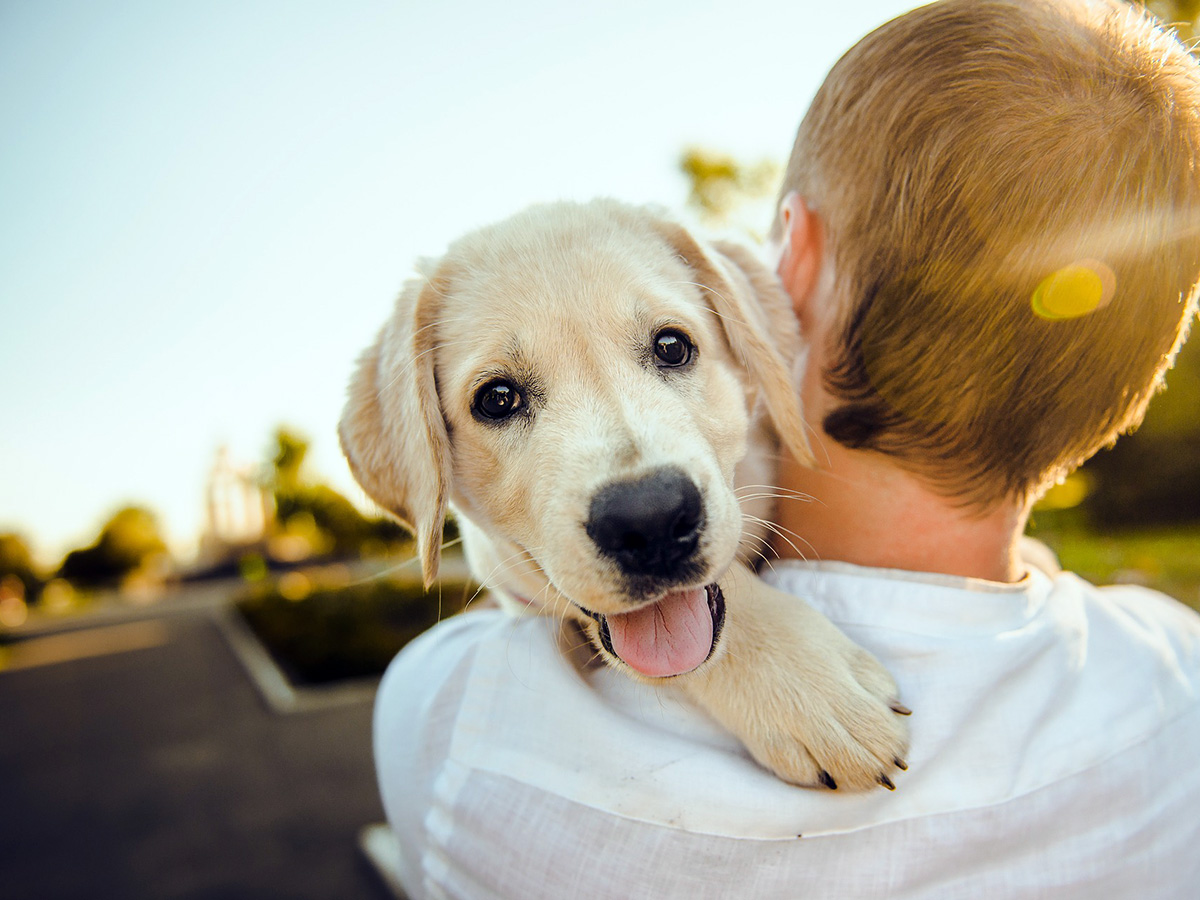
(588, 386)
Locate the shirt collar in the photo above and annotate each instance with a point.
(918, 602)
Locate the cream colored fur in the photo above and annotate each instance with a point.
(567, 298)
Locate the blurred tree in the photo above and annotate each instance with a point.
(129, 541)
(16, 560)
(315, 514)
(728, 193)
(1152, 477)
(291, 450)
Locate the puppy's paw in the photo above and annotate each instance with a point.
(840, 728)
(809, 704)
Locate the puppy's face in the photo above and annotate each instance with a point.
(576, 381)
(594, 412)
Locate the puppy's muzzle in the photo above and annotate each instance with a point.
(650, 526)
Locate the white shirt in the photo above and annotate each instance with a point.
(1055, 753)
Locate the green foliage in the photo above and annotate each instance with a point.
(127, 542)
(291, 449)
(347, 632)
(322, 630)
(16, 560)
(719, 185)
(1152, 477)
(327, 521)
(346, 529)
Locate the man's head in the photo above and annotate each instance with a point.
(1009, 200)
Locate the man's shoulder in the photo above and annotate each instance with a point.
(1019, 671)
(441, 657)
(1139, 607)
(1141, 620)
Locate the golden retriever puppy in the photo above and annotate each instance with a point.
(588, 386)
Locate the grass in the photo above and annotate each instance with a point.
(1167, 560)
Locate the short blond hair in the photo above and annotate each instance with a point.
(1012, 203)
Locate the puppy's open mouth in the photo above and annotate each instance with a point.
(669, 637)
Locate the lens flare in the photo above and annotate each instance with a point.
(1074, 291)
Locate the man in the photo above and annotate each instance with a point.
(989, 231)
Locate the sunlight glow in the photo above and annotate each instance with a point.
(1074, 291)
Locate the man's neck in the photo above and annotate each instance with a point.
(867, 511)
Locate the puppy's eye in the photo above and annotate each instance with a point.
(497, 400)
(672, 349)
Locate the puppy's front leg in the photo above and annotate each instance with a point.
(808, 703)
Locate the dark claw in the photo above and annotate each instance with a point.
(900, 764)
(900, 709)
(886, 782)
(826, 779)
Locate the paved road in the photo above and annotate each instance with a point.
(139, 762)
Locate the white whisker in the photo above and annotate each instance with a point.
(785, 535)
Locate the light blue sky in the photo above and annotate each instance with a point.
(207, 208)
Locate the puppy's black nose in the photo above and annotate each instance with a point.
(650, 525)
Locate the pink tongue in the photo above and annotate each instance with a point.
(669, 637)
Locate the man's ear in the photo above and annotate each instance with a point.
(801, 255)
(392, 431)
(758, 323)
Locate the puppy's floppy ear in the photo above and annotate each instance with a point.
(392, 430)
(756, 314)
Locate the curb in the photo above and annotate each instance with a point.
(276, 691)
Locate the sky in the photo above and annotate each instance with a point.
(207, 209)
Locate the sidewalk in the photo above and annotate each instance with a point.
(146, 765)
